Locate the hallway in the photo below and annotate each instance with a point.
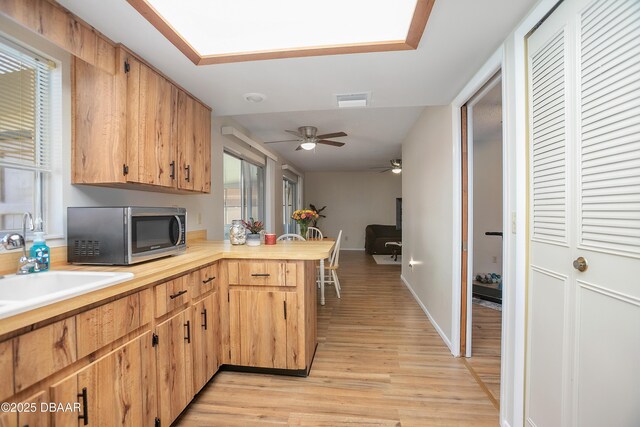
(379, 362)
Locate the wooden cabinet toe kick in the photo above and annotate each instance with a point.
(273, 371)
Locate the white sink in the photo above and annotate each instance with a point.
(26, 292)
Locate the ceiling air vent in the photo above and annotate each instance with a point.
(352, 100)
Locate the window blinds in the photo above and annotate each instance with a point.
(24, 112)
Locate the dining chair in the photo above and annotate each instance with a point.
(314, 233)
(290, 236)
(331, 270)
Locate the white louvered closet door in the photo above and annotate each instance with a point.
(583, 328)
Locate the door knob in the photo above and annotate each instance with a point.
(580, 264)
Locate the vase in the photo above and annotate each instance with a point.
(253, 239)
(304, 226)
(237, 233)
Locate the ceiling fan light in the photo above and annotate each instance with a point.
(396, 170)
(308, 145)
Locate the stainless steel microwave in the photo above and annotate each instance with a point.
(124, 235)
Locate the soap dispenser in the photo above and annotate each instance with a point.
(40, 251)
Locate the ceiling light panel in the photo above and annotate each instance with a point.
(231, 26)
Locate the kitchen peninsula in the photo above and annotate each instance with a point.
(138, 351)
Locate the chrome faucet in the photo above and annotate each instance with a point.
(17, 241)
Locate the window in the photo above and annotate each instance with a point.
(289, 205)
(244, 190)
(25, 142)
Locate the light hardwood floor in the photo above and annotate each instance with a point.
(379, 362)
(485, 349)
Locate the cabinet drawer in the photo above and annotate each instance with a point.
(105, 324)
(171, 294)
(43, 352)
(262, 273)
(6, 370)
(203, 280)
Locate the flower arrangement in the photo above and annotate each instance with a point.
(304, 217)
(253, 226)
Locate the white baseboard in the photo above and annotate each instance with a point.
(433, 322)
(352, 249)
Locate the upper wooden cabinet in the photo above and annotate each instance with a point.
(194, 144)
(135, 127)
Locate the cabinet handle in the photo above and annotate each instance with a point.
(188, 169)
(285, 310)
(204, 315)
(172, 175)
(188, 326)
(261, 275)
(177, 294)
(209, 279)
(85, 409)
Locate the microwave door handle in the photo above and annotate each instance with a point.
(180, 230)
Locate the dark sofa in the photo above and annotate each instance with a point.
(377, 235)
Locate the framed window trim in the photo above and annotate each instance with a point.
(46, 166)
(243, 204)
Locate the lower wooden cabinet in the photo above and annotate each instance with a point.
(6, 370)
(35, 416)
(174, 349)
(113, 390)
(206, 358)
(263, 328)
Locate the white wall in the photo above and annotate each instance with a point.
(427, 215)
(205, 211)
(487, 205)
(354, 200)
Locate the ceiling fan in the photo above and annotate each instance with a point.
(308, 137)
(396, 166)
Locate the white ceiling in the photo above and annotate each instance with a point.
(460, 35)
(374, 135)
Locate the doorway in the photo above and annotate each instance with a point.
(482, 181)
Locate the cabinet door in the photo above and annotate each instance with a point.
(8, 419)
(187, 141)
(6, 369)
(258, 328)
(98, 152)
(111, 391)
(156, 129)
(202, 177)
(174, 365)
(194, 144)
(205, 340)
(37, 417)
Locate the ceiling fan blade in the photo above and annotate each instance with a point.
(299, 148)
(296, 133)
(386, 170)
(284, 140)
(331, 135)
(327, 142)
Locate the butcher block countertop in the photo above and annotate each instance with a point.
(199, 253)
